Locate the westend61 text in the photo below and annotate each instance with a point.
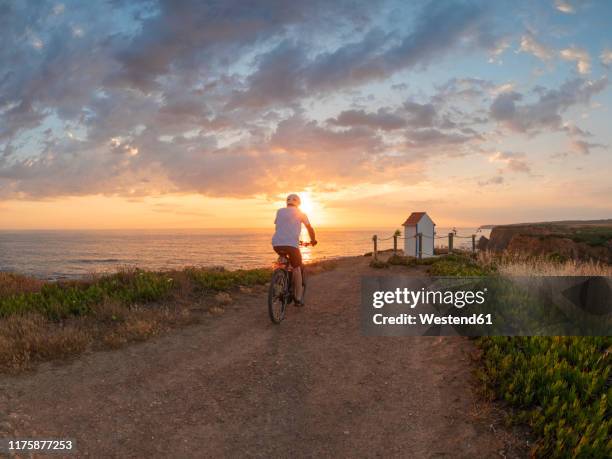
(432, 319)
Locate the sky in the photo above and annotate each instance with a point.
(195, 114)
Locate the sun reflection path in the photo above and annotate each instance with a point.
(306, 251)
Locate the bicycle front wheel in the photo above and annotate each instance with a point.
(277, 296)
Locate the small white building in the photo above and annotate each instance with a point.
(419, 222)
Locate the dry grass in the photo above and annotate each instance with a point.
(523, 265)
(11, 283)
(30, 338)
(26, 340)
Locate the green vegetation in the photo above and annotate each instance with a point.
(219, 280)
(448, 265)
(560, 386)
(457, 265)
(60, 300)
(401, 260)
(595, 236)
(57, 301)
(379, 264)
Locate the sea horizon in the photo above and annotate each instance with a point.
(72, 254)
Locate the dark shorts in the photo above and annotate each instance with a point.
(295, 256)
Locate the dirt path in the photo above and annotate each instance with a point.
(238, 385)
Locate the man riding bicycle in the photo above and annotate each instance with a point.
(286, 240)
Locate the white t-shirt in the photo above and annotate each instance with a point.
(288, 226)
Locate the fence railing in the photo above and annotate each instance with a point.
(419, 240)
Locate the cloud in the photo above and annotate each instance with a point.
(157, 96)
(513, 162)
(181, 35)
(305, 141)
(546, 111)
(606, 57)
(499, 49)
(428, 138)
(378, 120)
(441, 26)
(564, 6)
(578, 55)
(574, 131)
(530, 45)
(497, 180)
(19, 116)
(276, 80)
(462, 90)
(583, 147)
(424, 126)
(420, 115)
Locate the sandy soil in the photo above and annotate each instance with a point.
(238, 385)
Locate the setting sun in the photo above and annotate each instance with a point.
(307, 205)
(312, 206)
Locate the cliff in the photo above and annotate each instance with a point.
(575, 240)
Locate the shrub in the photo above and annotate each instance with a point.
(57, 300)
(595, 236)
(128, 287)
(378, 264)
(559, 386)
(426, 261)
(220, 279)
(457, 265)
(402, 260)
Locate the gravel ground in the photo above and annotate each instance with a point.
(237, 385)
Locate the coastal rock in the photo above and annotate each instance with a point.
(551, 240)
(483, 243)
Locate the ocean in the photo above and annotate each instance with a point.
(67, 254)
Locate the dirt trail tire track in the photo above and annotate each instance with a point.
(238, 385)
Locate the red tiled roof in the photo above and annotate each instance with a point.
(414, 218)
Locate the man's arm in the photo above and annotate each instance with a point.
(311, 233)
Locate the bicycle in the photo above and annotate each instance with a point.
(280, 292)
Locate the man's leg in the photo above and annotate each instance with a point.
(296, 263)
(298, 289)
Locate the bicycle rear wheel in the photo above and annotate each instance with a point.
(278, 295)
(303, 286)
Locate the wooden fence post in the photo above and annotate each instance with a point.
(375, 253)
(420, 242)
(395, 244)
(450, 242)
(473, 243)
